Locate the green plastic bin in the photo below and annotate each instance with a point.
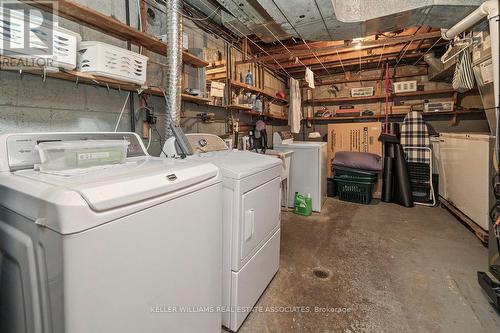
(354, 190)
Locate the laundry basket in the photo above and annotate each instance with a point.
(354, 191)
(354, 185)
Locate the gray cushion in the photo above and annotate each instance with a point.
(358, 160)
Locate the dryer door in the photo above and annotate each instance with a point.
(260, 216)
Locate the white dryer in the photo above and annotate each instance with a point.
(130, 247)
(307, 169)
(251, 226)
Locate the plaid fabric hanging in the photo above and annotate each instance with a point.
(414, 133)
(463, 78)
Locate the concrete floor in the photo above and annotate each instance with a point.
(392, 269)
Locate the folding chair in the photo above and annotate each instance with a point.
(416, 144)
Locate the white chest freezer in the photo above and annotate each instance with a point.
(465, 173)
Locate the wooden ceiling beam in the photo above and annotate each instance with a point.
(333, 58)
(343, 48)
(351, 63)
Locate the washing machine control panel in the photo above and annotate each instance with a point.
(22, 153)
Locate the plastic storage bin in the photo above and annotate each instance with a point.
(64, 43)
(354, 191)
(355, 174)
(354, 185)
(78, 154)
(112, 61)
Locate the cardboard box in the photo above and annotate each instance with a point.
(362, 137)
(400, 109)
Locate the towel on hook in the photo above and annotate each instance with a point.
(295, 108)
(309, 78)
(463, 79)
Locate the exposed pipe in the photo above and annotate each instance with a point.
(488, 9)
(131, 95)
(174, 66)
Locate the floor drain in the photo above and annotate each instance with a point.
(321, 273)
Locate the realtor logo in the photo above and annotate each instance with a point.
(26, 33)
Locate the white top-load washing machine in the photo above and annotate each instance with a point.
(307, 169)
(129, 247)
(251, 227)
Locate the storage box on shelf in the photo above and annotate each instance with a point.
(61, 54)
(76, 12)
(111, 61)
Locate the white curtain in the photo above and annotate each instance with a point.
(295, 107)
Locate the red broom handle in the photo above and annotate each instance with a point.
(387, 97)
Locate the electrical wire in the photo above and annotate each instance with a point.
(323, 19)
(161, 143)
(272, 33)
(149, 138)
(207, 26)
(430, 48)
(200, 19)
(299, 35)
(251, 41)
(121, 113)
(381, 54)
(341, 64)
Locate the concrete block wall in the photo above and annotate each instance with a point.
(27, 104)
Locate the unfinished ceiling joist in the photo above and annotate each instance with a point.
(348, 48)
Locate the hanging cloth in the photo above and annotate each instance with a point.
(309, 78)
(463, 79)
(295, 107)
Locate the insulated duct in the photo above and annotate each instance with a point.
(435, 64)
(174, 66)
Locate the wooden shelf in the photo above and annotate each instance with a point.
(240, 107)
(92, 18)
(195, 99)
(192, 60)
(374, 98)
(258, 91)
(279, 100)
(252, 113)
(247, 87)
(86, 78)
(276, 117)
(424, 92)
(342, 99)
(402, 115)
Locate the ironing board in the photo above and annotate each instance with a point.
(416, 144)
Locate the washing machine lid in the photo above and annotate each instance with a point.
(105, 188)
(237, 164)
(69, 202)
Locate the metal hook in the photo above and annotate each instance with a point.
(77, 81)
(107, 86)
(44, 76)
(21, 73)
